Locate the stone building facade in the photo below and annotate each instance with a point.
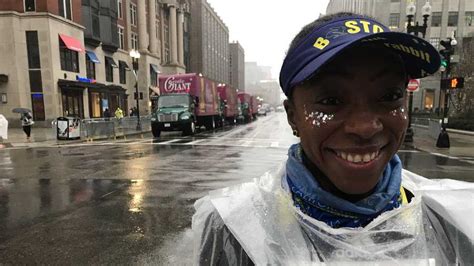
(209, 42)
(237, 66)
(71, 57)
(448, 17)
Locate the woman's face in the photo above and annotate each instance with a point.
(353, 119)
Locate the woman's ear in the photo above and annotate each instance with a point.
(290, 113)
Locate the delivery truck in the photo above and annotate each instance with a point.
(186, 102)
(229, 103)
(246, 106)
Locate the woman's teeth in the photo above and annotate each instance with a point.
(357, 158)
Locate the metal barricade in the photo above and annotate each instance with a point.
(100, 128)
(434, 128)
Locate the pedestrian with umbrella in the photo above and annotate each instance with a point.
(26, 120)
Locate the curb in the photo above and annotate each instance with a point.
(451, 130)
(5, 145)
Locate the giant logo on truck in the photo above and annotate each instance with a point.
(177, 85)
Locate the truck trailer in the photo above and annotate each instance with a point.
(229, 103)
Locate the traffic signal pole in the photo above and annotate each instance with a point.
(443, 137)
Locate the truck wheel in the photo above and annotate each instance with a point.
(190, 129)
(211, 124)
(155, 131)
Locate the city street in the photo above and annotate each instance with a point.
(131, 201)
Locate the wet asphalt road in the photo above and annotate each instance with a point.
(131, 201)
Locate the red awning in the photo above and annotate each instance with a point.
(71, 43)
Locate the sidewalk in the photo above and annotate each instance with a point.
(40, 137)
(461, 145)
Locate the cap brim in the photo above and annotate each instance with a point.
(420, 57)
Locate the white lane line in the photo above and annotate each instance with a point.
(169, 141)
(446, 156)
(195, 142)
(246, 143)
(408, 151)
(274, 144)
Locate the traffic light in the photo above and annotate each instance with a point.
(456, 83)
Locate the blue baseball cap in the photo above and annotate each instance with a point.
(328, 40)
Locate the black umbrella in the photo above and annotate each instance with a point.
(21, 110)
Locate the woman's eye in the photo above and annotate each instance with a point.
(330, 101)
(392, 96)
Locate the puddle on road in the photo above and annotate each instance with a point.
(22, 201)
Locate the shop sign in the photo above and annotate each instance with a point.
(85, 80)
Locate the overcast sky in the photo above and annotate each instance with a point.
(265, 28)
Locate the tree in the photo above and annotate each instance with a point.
(463, 99)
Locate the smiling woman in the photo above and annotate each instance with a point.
(342, 195)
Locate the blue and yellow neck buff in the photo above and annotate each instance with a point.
(329, 39)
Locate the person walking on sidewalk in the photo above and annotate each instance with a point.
(26, 123)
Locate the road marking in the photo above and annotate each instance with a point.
(408, 151)
(195, 142)
(274, 144)
(169, 141)
(246, 143)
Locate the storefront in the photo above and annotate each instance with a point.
(100, 97)
(72, 96)
(107, 97)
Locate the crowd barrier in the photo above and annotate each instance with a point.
(109, 128)
(433, 125)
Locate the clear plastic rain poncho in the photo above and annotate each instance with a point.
(258, 220)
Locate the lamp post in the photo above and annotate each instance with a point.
(446, 53)
(135, 55)
(415, 30)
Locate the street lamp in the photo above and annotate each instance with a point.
(415, 30)
(135, 55)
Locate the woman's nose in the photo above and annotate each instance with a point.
(364, 124)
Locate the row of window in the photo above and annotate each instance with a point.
(70, 62)
(64, 7)
(394, 19)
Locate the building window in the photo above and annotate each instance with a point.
(90, 68)
(166, 33)
(109, 69)
(121, 38)
(435, 42)
(157, 26)
(394, 20)
(69, 59)
(123, 67)
(153, 75)
(120, 9)
(452, 19)
(469, 18)
(32, 49)
(157, 7)
(65, 9)
(429, 99)
(436, 19)
(30, 5)
(134, 38)
(133, 14)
